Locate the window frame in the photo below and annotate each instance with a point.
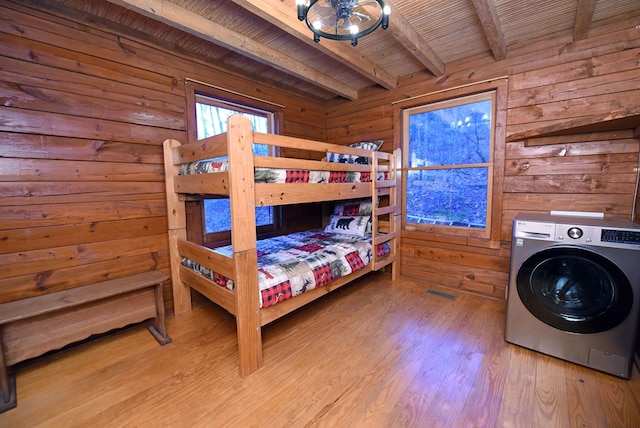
(430, 107)
(490, 236)
(197, 92)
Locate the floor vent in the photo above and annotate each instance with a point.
(442, 294)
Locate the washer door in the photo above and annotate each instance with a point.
(574, 290)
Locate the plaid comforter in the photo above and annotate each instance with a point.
(268, 175)
(292, 264)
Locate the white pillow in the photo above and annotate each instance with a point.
(348, 225)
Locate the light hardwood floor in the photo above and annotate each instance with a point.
(373, 354)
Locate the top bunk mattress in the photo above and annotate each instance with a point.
(275, 175)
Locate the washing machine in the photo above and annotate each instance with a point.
(574, 289)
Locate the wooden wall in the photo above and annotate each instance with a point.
(84, 113)
(552, 84)
(85, 110)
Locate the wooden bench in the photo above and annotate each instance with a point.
(35, 325)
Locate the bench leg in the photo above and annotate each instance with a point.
(7, 382)
(157, 326)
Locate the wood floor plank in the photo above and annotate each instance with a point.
(616, 398)
(436, 351)
(483, 401)
(373, 354)
(518, 396)
(582, 400)
(551, 401)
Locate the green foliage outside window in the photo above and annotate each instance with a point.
(449, 162)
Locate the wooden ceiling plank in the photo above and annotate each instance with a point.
(486, 10)
(185, 20)
(584, 15)
(408, 37)
(284, 17)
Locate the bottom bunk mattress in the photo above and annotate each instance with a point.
(291, 264)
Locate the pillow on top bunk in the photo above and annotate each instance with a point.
(367, 145)
(348, 225)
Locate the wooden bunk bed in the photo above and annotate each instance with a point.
(244, 193)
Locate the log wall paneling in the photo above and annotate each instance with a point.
(85, 110)
(553, 84)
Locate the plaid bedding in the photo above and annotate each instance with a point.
(292, 264)
(268, 175)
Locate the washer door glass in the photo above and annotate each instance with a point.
(575, 290)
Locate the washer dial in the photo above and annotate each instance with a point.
(575, 233)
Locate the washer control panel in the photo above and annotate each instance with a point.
(620, 236)
(576, 234)
(595, 235)
(591, 232)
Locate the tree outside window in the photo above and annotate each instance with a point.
(448, 150)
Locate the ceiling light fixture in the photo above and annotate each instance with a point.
(343, 19)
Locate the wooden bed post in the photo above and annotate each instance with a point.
(243, 239)
(177, 224)
(395, 219)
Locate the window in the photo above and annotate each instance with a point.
(211, 119)
(448, 177)
(211, 109)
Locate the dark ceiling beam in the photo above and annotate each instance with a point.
(584, 15)
(486, 10)
(192, 23)
(284, 17)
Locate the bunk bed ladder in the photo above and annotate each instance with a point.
(391, 211)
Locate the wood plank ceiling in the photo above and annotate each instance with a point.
(263, 39)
